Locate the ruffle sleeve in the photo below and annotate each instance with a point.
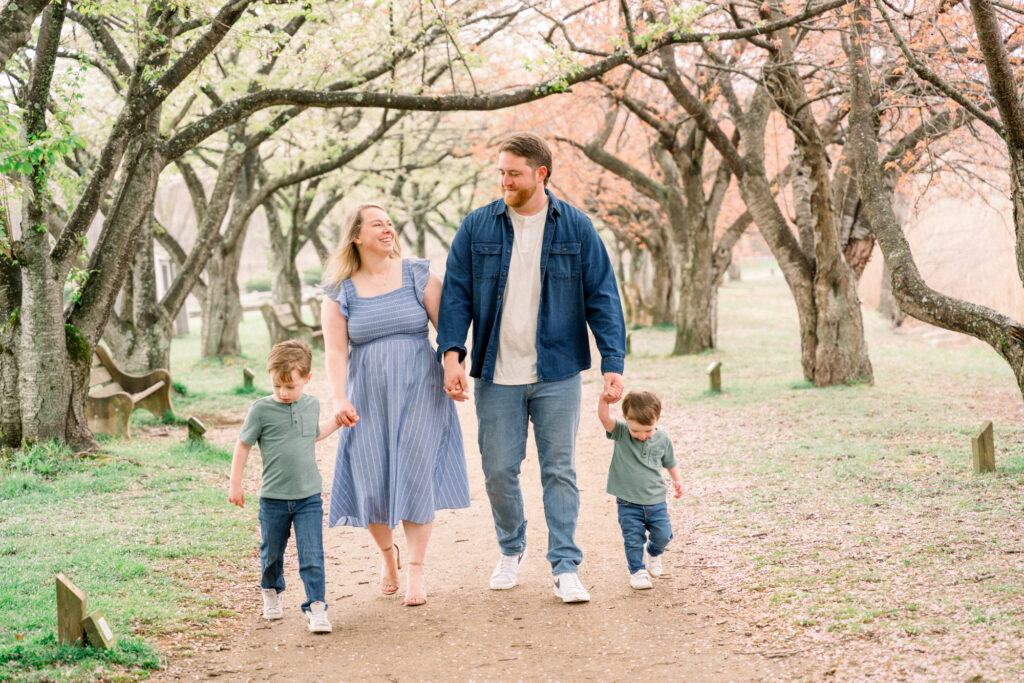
(420, 269)
(338, 293)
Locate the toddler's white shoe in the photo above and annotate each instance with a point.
(507, 572)
(569, 588)
(654, 566)
(317, 617)
(640, 580)
(272, 604)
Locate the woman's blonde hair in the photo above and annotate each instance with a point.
(344, 261)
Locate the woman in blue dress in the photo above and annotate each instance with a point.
(401, 457)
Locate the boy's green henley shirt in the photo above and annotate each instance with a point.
(286, 434)
(635, 472)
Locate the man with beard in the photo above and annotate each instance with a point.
(530, 273)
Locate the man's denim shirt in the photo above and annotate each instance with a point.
(577, 287)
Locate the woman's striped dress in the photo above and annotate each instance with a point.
(404, 458)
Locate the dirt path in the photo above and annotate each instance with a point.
(677, 631)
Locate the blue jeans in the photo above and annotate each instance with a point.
(503, 413)
(636, 522)
(277, 517)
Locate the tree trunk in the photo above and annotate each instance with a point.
(222, 307)
(140, 339)
(284, 276)
(662, 290)
(915, 297)
(887, 304)
(10, 338)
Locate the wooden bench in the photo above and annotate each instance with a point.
(284, 322)
(315, 304)
(114, 394)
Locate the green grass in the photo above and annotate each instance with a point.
(124, 528)
(835, 508)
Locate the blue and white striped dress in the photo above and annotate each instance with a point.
(404, 459)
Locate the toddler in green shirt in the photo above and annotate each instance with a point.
(634, 478)
(286, 426)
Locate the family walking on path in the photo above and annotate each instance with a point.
(528, 274)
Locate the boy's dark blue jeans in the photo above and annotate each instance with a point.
(643, 524)
(277, 517)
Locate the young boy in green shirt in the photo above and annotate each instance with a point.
(634, 478)
(286, 426)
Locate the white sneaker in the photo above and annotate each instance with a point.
(505, 574)
(272, 604)
(640, 580)
(654, 566)
(569, 588)
(317, 616)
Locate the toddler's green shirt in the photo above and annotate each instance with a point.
(635, 472)
(286, 434)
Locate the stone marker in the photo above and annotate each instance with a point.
(715, 375)
(247, 377)
(98, 632)
(735, 274)
(196, 429)
(629, 343)
(983, 446)
(70, 612)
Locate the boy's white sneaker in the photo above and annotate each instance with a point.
(507, 571)
(272, 604)
(654, 566)
(640, 580)
(569, 588)
(317, 617)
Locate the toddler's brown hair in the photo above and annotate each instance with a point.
(290, 357)
(642, 407)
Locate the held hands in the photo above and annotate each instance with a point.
(345, 415)
(678, 485)
(455, 381)
(612, 391)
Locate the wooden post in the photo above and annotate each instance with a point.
(70, 612)
(247, 377)
(983, 446)
(629, 343)
(98, 632)
(196, 429)
(715, 375)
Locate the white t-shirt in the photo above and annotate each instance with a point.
(517, 340)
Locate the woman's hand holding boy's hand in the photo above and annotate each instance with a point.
(236, 495)
(346, 413)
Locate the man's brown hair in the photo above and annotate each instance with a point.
(290, 357)
(642, 407)
(531, 147)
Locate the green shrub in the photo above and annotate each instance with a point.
(260, 283)
(312, 276)
(47, 459)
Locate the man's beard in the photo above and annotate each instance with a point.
(519, 197)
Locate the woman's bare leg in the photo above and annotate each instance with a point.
(384, 539)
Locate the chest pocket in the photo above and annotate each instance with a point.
(307, 425)
(564, 260)
(486, 260)
(653, 455)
